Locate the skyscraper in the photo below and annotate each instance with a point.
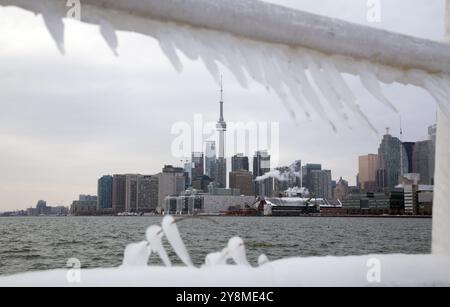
(297, 168)
(367, 177)
(432, 130)
(409, 150)
(289, 179)
(321, 184)
(389, 166)
(242, 180)
(105, 192)
(261, 166)
(119, 193)
(221, 165)
(171, 182)
(210, 159)
(197, 165)
(423, 161)
(239, 163)
(148, 188)
(306, 173)
(131, 192)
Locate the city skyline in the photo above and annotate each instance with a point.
(63, 141)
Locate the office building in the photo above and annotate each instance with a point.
(242, 180)
(239, 163)
(105, 192)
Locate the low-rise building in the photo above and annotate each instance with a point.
(194, 202)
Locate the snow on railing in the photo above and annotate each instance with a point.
(230, 267)
(299, 55)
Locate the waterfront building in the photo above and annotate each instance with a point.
(85, 197)
(119, 193)
(148, 188)
(41, 207)
(197, 203)
(239, 163)
(104, 192)
(342, 190)
(367, 176)
(242, 180)
(306, 174)
(297, 168)
(85, 205)
(131, 192)
(217, 191)
(172, 181)
(320, 182)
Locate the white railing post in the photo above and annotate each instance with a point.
(447, 20)
(441, 206)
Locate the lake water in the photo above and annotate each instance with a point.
(42, 243)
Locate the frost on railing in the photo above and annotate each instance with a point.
(138, 254)
(307, 79)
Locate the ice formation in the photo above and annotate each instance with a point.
(154, 235)
(370, 270)
(173, 235)
(300, 56)
(137, 254)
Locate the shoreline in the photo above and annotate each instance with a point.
(244, 216)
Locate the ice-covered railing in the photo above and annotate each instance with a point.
(298, 55)
(137, 254)
(230, 267)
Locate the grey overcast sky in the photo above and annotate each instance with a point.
(67, 120)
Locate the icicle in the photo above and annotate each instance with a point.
(109, 34)
(137, 254)
(219, 258)
(311, 95)
(166, 45)
(55, 27)
(236, 249)
(370, 82)
(339, 84)
(174, 238)
(262, 260)
(325, 87)
(154, 235)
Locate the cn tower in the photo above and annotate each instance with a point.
(221, 178)
(221, 125)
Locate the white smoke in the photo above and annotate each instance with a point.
(282, 175)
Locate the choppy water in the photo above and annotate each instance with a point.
(42, 243)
